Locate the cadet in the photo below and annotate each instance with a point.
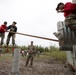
(12, 28)
(31, 54)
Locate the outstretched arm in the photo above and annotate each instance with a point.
(8, 27)
(60, 11)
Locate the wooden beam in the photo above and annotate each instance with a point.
(35, 36)
(72, 66)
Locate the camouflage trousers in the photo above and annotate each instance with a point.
(29, 58)
(8, 39)
(70, 21)
(2, 35)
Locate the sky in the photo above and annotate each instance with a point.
(34, 17)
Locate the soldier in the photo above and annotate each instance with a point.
(31, 53)
(2, 32)
(69, 10)
(12, 28)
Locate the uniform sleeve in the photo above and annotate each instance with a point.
(8, 27)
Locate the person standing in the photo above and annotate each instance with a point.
(3, 28)
(12, 28)
(31, 53)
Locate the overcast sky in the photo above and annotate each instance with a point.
(35, 17)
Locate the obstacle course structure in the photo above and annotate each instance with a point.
(67, 42)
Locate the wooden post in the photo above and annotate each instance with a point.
(74, 55)
(59, 34)
(15, 65)
(0, 51)
(73, 1)
(71, 55)
(67, 43)
(71, 58)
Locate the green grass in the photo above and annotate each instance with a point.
(59, 55)
(6, 56)
(56, 55)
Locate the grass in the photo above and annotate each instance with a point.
(59, 55)
(6, 56)
(56, 55)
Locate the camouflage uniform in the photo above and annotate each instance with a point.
(70, 21)
(31, 54)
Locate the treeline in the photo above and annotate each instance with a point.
(38, 48)
(42, 49)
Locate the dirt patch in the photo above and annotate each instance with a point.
(42, 68)
(38, 68)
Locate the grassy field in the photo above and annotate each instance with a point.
(55, 55)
